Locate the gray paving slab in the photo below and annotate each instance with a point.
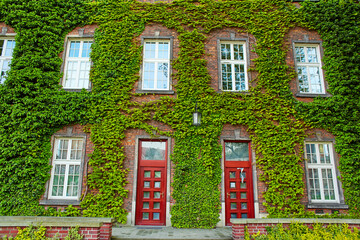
(162, 233)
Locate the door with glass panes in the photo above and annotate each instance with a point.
(239, 196)
(151, 184)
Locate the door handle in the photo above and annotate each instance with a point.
(162, 194)
(228, 195)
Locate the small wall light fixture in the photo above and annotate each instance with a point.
(196, 116)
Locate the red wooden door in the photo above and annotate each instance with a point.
(151, 183)
(239, 196)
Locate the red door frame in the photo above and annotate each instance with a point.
(235, 166)
(151, 166)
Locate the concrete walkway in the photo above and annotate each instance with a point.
(156, 233)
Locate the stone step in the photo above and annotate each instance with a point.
(169, 233)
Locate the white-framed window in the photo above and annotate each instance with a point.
(66, 179)
(308, 68)
(156, 65)
(233, 66)
(321, 173)
(6, 51)
(77, 64)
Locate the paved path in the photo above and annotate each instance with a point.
(156, 233)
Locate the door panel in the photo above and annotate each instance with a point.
(151, 184)
(239, 202)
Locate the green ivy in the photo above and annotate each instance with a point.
(33, 107)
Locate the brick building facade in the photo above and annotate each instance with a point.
(229, 55)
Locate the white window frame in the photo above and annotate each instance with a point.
(78, 60)
(234, 62)
(307, 65)
(4, 58)
(319, 167)
(67, 162)
(156, 61)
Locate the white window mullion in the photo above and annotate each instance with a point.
(66, 180)
(233, 74)
(156, 74)
(308, 76)
(78, 72)
(321, 183)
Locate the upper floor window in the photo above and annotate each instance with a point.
(308, 65)
(233, 66)
(77, 64)
(321, 173)
(65, 174)
(6, 51)
(156, 65)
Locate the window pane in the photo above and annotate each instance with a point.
(315, 80)
(74, 49)
(303, 79)
(71, 74)
(9, 48)
(162, 76)
(300, 54)
(149, 75)
(236, 151)
(4, 69)
(72, 185)
(150, 49)
(157, 184)
(147, 174)
(163, 50)
(238, 52)
(312, 56)
(225, 52)
(156, 194)
(157, 174)
(156, 205)
(153, 150)
(58, 180)
(314, 184)
(86, 49)
(146, 216)
(156, 216)
(226, 77)
(62, 149)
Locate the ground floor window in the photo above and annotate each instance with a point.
(321, 173)
(66, 168)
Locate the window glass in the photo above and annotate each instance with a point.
(6, 51)
(233, 67)
(65, 176)
(237, 151)
(309, 69)
(77, 67)
(156, 65)
(153, 150)
(321, 172)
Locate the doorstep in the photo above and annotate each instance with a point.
(170, 233)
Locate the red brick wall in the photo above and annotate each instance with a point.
(238, 230)
(90, 233)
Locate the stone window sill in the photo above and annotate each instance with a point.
(60, 202)
(327, 205)
(165, 92)
(312, 95)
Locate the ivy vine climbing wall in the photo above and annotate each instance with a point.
(276, 121)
